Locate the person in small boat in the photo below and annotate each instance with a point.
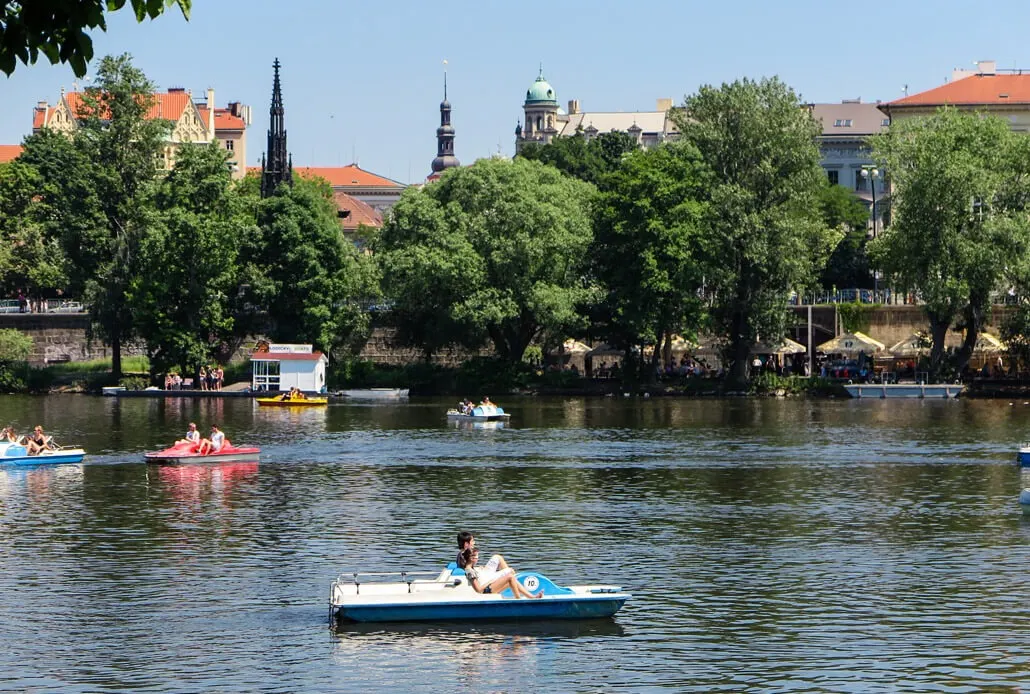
(214, 444)
(38, 442)
(192, 436)
(484, 581)
(486, 402)
(8, 435)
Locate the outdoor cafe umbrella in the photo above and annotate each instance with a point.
(988, 344)
(571, 346)
(605, 350)
(915, 345)
(784, 346)
(851, 344)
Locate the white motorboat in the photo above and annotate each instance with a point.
(447, 595)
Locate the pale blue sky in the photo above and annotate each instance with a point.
(363, 80)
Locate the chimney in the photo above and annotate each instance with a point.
(573, 106)
(986, 67)
(211, 113)
(663, 105)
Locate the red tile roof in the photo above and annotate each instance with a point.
(167, 106)
(357, 212)
(9, 153)
(347, 176)
(975, 90)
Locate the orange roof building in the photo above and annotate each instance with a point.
(986, 89)
(9, 153)
(378, 192)
(190, 121)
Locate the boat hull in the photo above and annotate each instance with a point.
(557, 607)
(1023, 457)
(374, 393)
(478, 418)
(308, 402)
(904, 390)
(65, 457)
(185, 453)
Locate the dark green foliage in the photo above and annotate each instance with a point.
(590, 160)
(848, 265)
(57, 28)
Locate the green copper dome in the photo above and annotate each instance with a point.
(541, 91)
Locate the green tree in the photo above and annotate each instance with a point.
(31, 258)
(958, 229)
(492, 251)
(122, 147)
(848, 265)
(57, 28)
(646, 246)
(180, 296)
(308, 278)
(763, 231)
(589, 160)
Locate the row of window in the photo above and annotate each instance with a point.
(860, 180)
(848, 122)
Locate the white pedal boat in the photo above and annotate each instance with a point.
(447, 595)
(490, 413)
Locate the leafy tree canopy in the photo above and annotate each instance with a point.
(959, 229)
(589, 160)
(58, 28)
(495, 250)
(763, 231)
(848, 265)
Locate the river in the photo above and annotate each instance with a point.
(771, 545)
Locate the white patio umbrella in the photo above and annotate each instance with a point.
(851, 344)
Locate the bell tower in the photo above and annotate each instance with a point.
(540, 112)
(445, 158)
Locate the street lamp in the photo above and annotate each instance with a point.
(871, 173)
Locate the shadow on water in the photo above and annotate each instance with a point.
(448, 631)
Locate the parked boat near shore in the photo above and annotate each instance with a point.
(373, 393)
(904, 390)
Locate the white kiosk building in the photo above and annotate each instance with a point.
(281, 367)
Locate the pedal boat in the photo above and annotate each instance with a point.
(17, 454)
(1023, 457)
(187, 453)
(447, 595)
(479, 414)
(278, 401)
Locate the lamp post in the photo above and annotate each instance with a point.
(871, 173)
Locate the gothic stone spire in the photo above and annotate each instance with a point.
(278, 168)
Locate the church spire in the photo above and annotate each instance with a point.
(278, 168)
(445, 158)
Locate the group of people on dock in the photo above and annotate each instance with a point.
(208, 378)
(35, 443)
(204, 446)
(493, 577)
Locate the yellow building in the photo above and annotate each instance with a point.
(191, 122)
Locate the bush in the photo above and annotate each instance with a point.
(134, 382)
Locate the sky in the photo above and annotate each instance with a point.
(362, 81)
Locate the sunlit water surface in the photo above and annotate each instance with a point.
(771, 545)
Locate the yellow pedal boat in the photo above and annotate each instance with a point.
(280, 401)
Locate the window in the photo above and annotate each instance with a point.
(834, 177)
(859, 180)
(885, 122)
(229, 145)
(842, 123)
(266, 375)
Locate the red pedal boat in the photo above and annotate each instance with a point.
(187, 453)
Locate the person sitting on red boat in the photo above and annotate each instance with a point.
(192, 436)
(213, 444)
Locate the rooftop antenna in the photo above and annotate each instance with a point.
(445, 79)
(904, 88)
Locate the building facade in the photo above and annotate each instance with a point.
(193, 122)
(544, 120)
(846, 156)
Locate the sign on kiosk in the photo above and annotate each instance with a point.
(289, 349)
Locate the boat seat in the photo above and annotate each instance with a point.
(453, 570)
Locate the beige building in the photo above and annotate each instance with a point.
(545, 120)
(191, 122)
(1003, 93)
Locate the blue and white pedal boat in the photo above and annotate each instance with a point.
(1023, 457)
(489, 413)
(420, 596)
(17, 454)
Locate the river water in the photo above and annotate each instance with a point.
(771, 545)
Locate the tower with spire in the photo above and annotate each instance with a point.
(445, 158)
(278, 167)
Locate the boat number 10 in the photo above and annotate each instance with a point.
(532, 583)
